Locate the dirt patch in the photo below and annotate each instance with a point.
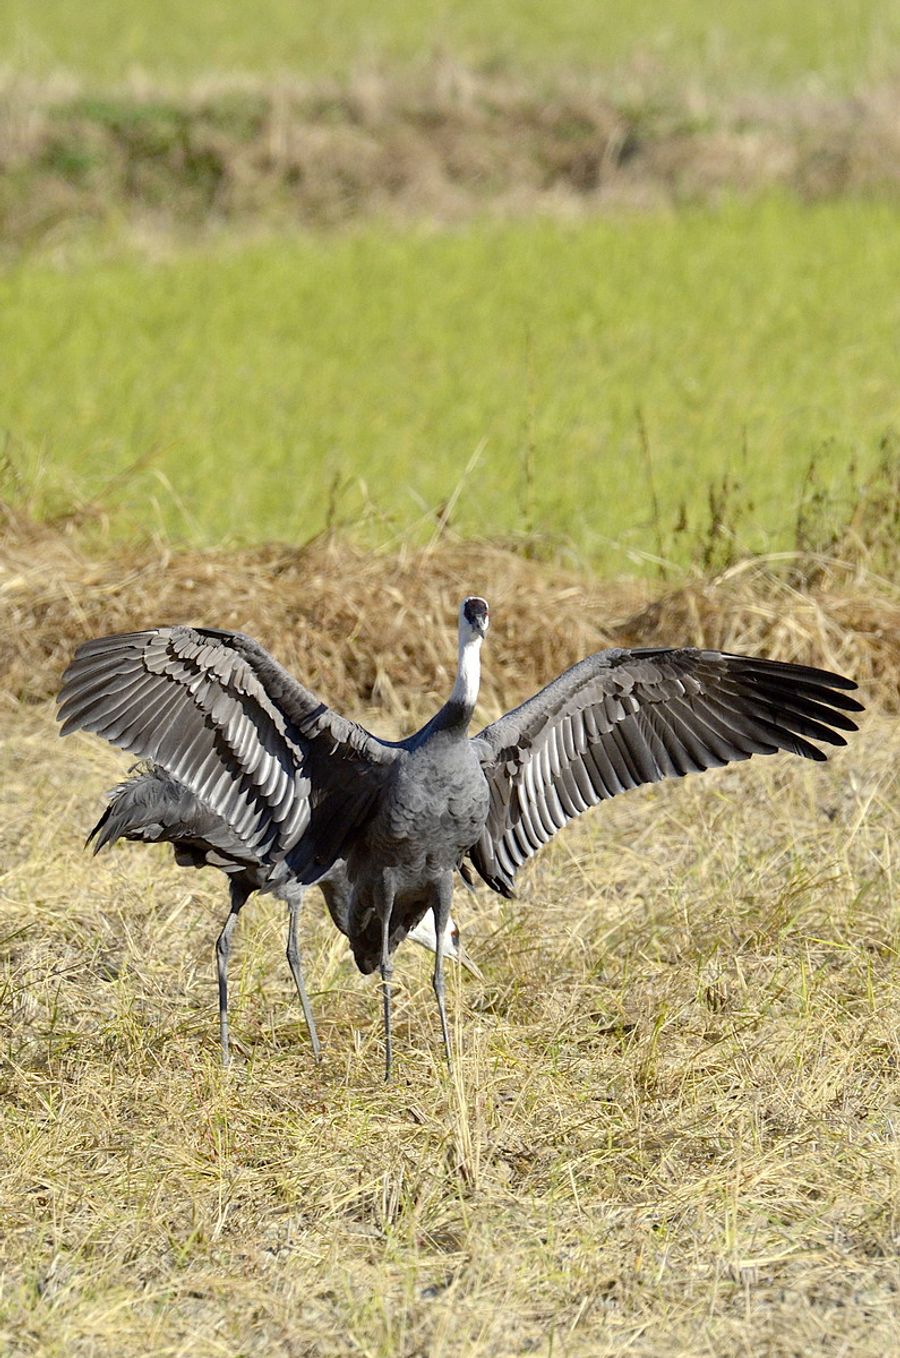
(442, 142)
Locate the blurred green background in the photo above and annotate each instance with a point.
(759, 43)
(610, 384)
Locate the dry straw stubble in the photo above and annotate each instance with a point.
(672, 1125)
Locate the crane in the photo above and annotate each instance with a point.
(302, 785)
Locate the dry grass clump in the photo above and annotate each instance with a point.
(378, 629)
(364, 629)
(441, 140)
(848, 620)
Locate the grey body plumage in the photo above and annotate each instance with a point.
(305, 787)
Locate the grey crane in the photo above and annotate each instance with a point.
(153, 807)
(304, 785)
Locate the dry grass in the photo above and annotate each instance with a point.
(440, 141)
(371, 629)
(672, 1127)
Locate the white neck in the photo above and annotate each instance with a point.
(468, 671)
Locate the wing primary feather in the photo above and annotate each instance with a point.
(694, 723)
(792, 673)
(109, 680)
(99, 703)
(746, 724)
(730, 744)
(810, 720)
(760, 726)
(132, 711)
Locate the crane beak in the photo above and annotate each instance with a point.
(466, 961)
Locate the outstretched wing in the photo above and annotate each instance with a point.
(216, 712)
(622, 718)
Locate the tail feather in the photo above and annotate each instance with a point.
(149, 808)
(112, 825)
(153, 807)
(365, 941)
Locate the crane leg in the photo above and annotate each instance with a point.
(387, 971)
(293, 957)
(223, 952)
(441, 911)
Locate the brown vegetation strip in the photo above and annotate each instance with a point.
(370, 629)
(441, 142)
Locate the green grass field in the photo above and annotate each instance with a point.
(753, 340)
(766, 42)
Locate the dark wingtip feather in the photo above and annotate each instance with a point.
(764, 662)
(113, 642)
(96, 833)
(826, 678)
(502, 887)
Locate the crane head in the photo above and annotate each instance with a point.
(474, 616)
(424, 933)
